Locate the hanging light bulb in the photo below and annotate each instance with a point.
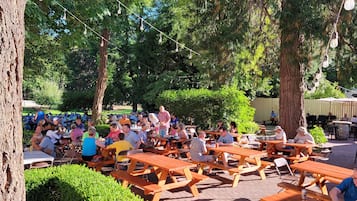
(349, 4)
(325, 62)
(119, 8)
(85, 30)
(128, 61)
(190, 55)
(160, 38)
(64, 14)
(141, 24)
(102, 42)
(334, 39)
(139, 67)
(177, 48)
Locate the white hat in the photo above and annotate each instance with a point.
(301, 129)
(277, 128)
(55, 118)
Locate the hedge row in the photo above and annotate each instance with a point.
(73, 183)
(205, 107)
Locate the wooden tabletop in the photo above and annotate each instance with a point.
(238, 151)
(163, 162)
(269, 141)
(323, 169)
(299, 145)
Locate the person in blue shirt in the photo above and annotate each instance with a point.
(348, 188)
(39, 115)
(225, 139)
(89, 147)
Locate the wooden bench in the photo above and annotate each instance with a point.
(99, 164)
(309, 193)
(149, 188)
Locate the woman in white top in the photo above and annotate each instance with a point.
(280, 135)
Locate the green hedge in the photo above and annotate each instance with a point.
(73, 183)
(207, 106)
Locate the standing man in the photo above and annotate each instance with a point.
(164, 118)
(347, 189)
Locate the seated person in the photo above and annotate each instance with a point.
(79, 123)
(345, 118)
(37, 135)
(86, 134)
(281, 135)
(76, 134)
(119, 146)
(89, 147)
(198, 149)
(181, 132)
(53, 134)
(347, 189)
(273, 118)
(303, 137)
(124, 120)
(225, 139)
(114, 131)
(47, 146)
(354, 119)
(131, 136)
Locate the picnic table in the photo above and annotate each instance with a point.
(249, 161)
(322, 172)
(163, 167)
(32, 157)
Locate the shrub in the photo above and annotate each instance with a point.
(48, 93)
(103, 129)
(318, 134)
(207, 106)
(73, 183)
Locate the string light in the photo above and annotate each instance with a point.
(190, 55)
(119, 8)
(85, 30)
(160, 38)
(102, 42)
(349, 4)
(325, 62)
(141, 24)
(64, 15)
(334, 39)
(177, 47)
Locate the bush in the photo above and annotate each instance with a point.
(73, 183)
(318, 134)
(48, 93)
(103, 129)
(207, 106)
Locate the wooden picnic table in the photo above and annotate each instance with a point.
(163, 167)
(32, 157)
(322, 172)
(273, 153)
(289, 195)
(245, 156)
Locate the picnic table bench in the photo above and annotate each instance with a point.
(293, 193)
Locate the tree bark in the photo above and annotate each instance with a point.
(101, 85)
(291, 99)
(12, 33)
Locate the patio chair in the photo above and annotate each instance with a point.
(282, 167)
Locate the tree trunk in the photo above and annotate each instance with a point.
(12, 33)
(291, 99)
(102, 78)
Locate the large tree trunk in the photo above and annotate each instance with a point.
(291, 99)
(102, 78)
(12, 183)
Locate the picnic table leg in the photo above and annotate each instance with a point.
(192, 185)
(302, 178)
(322, 185)
(162, 175)
(260, 168)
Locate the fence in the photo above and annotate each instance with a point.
(264, 106)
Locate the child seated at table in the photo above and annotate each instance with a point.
(119, 146)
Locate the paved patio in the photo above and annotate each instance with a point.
(251, 187)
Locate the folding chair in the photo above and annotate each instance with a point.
(280, 163)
